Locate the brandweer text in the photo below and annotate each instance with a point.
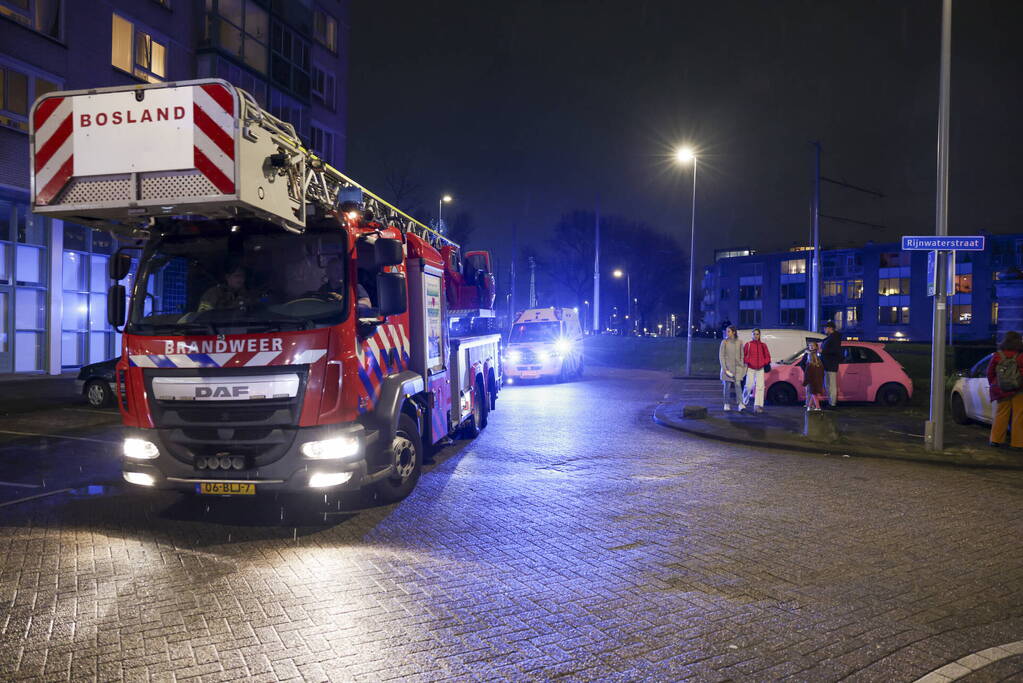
(223, 346)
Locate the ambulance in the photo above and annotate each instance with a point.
(545, 343)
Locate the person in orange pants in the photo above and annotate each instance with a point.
(1006, 390)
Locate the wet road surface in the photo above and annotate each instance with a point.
(573, 538)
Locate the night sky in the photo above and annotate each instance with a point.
(529, 109)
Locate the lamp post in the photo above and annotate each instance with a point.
(446, 199)
(683, 156)
(619, 273)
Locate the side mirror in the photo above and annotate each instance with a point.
(119, 266)
(391, 294)
(115, 306)
(375, 252)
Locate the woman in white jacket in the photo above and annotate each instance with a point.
(732, 367)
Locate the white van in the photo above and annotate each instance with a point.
(544, 342)
(783, 343)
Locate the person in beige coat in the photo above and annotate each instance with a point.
(732, 367)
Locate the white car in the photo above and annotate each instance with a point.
(971, 400)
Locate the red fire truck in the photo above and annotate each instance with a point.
(284, 329)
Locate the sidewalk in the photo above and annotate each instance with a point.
(865, 430)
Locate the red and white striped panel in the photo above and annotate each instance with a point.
(214, 135)
(54, 159)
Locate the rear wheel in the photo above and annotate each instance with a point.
(407, 457)
(478, 419)
(891, 395)
(782, 394)
(959, 410)
(98, 394)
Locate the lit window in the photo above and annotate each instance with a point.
(325, 30)
(793, 266)
(39, 15)
(852, 316)
(893, 286)
(832, 288)
(994, 313)
(893, 315)
(137, 52)
(854, 289)
(962, 314)
(964, 283)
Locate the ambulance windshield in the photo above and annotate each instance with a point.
(245, 281)
(536, 332)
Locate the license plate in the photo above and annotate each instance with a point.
(530, 375)
(216, 488)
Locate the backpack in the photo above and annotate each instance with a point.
(1007, 372)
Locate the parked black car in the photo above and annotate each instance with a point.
(96, 383)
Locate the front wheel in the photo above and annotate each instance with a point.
(407, 457)
(891, 395)
(959, 410)
(98, 394)
(782, 394)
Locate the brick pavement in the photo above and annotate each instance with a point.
(573, 539)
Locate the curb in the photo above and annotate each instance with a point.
(664, 420)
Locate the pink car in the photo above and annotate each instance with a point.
(867, 373)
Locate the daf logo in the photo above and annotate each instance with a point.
(222, 392)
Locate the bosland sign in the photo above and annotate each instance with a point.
(943, 243)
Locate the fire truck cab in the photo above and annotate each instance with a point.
(545, 343)
(284, 329)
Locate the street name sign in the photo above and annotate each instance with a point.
(943, 243)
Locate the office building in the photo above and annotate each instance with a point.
(873, 292)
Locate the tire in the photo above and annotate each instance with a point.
(782, 394)
(959, 415)
(891, 395)
(478, 421)
(407, 451)
(97, 392)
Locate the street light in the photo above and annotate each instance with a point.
(619, 273)
(446, 199)
(684, 155)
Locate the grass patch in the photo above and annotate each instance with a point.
(652, 353)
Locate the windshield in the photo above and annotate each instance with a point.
(256, 280)
(794, 358)
(536, 332)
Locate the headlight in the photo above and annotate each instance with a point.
(140, 449)
(331, 449)
(322, 480)
(563, 346)
(139, 478)
(514, 356)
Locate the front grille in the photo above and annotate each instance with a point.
(259, 431)
(528, 357)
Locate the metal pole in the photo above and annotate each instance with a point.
(440, 215)
(628, 307)
(934, 432)
(815, 268)
(692, 271)
(596, 272)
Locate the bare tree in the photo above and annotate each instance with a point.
(400, 179)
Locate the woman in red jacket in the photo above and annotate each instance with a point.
(756, 357)
(1008, 403)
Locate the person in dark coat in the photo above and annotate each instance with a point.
(831, 357)
(1008, 404)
